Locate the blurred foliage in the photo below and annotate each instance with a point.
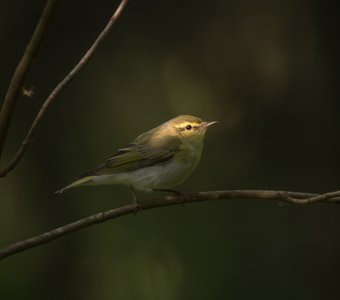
(266, 70)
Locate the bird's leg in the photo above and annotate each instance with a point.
(180, 195)
(135, 201)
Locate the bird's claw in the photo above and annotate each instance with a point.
(136, 208)
(181, 197)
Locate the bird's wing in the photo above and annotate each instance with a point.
(142, 152)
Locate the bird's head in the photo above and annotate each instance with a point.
(189, 128)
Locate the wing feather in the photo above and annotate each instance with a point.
(142, 152)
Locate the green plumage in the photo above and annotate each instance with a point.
(159, 158)
(142, 152)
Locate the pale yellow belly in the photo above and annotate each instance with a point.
(146, 179)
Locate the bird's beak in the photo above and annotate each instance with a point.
(207, 124)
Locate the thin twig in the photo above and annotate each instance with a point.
(22, 69)
(327, 197)
(28, 139)
(288, 197)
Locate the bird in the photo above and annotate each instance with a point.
(156, 160)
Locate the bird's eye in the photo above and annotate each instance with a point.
(188, 127)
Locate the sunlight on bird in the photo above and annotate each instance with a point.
(158, 159)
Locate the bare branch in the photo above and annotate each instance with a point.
(282, 196)
(327, 197)
(22, 69)
(28, 139)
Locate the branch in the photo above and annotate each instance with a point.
(28, 139)
(22, 69)
(287, 197)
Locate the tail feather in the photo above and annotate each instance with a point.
(78, 182)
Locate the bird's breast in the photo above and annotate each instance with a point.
(168, 174)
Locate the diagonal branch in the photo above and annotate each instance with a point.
(283, 196)
(28, 139)
(22, 69)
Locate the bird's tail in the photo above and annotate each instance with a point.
(78, 182)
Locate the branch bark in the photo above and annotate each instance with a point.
(283, 196)
(21, 71)
(28, 139)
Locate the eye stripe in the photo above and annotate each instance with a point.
(185, 126)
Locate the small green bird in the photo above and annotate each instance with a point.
(158, 159)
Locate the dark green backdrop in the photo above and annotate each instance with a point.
(266, 70)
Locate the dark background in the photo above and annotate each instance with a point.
(266, 70)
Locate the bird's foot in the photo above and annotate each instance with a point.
(136, 208)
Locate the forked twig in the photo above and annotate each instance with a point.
(22, 69)
(28, 139)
